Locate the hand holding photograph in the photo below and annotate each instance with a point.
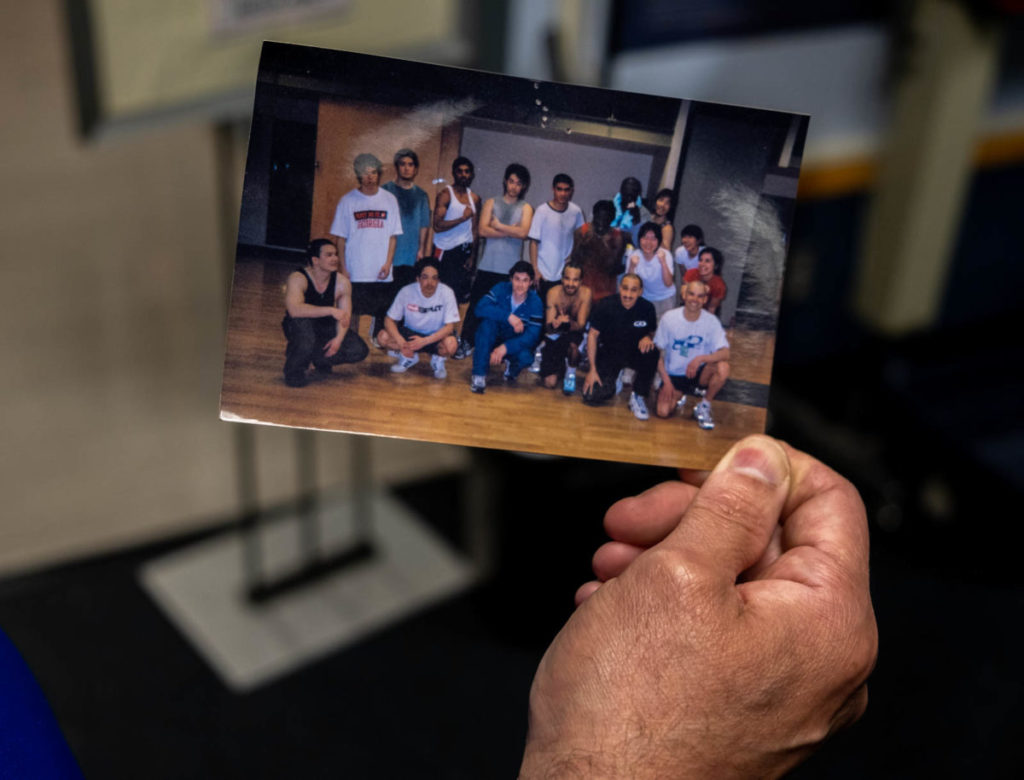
(447, 255)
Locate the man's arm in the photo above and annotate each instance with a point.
(423, 220)
(419, 342)
(490, 308)
(385, 269)
(519, 230)
(424, 247)
(729, 631)
(440, 209)
(342, 267)
(489, 225)
(592, 375)
(552, 319)
(718, 356)
(583, 312)
(533, 242)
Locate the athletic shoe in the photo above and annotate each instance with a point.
(394, 353)
(464, 351)
(702, 414)
(404, 364)
(478, 383)
(437, 363)
(569, 383)
(618, 382)
(296, 380)
(680, 404)
(638, 407)
(510, 379)
(535, 366)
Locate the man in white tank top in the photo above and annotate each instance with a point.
(456, 224)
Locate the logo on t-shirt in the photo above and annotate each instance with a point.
(370, 218)
(683, 346)
(423, 309)
(640, 324)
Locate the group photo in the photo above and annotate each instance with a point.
(453, 256)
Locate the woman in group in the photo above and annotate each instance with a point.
(664, 205)
(653, 264)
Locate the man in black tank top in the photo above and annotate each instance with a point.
(318, 306)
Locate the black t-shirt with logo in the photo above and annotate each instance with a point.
(620, 329)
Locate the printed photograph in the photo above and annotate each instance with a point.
(447, 255)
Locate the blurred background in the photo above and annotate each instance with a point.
(899, 362)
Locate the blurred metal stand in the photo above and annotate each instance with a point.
(316, 560)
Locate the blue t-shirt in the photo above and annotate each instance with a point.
(414, 208)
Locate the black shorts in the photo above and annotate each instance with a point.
(372, 298)
(408, 333)
(552, 358)
(685, 385)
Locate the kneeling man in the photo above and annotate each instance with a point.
(622, 336)
(318, 305)
(511, 315)
(694, 355)
(566, 315)
(422, 319)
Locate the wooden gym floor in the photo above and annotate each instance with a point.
(367, 398)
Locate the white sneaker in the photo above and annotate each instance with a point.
(477, 383)
(404, 364)
(638, 407)
(437, 363)
(702, 414)
(535, 366)
(680, 404)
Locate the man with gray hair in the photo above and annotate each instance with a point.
(366, 224)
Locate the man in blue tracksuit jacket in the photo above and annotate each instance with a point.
(511, 316)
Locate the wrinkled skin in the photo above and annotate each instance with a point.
(729, 631)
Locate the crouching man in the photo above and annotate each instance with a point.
(694, 355)
(422, 319)
(511, 316)
(621, 336)
(318, 306)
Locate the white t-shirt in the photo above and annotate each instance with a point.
(683, 257)
(681, 340)
(554, 229)
(655, 288)
(421, 314)
(366, 222)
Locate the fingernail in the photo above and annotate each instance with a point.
(760, 458)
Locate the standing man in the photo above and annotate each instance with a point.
(694, 355)
(551, 233)
(598, 248)
(709, 270)
(456, 215)
(422, 319)
(318, 311)
(622, 336)
(511, 316)
(366, 225)
(414, 210)
(504, 224)
(565, 316)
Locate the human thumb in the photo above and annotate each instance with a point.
(730, 521)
